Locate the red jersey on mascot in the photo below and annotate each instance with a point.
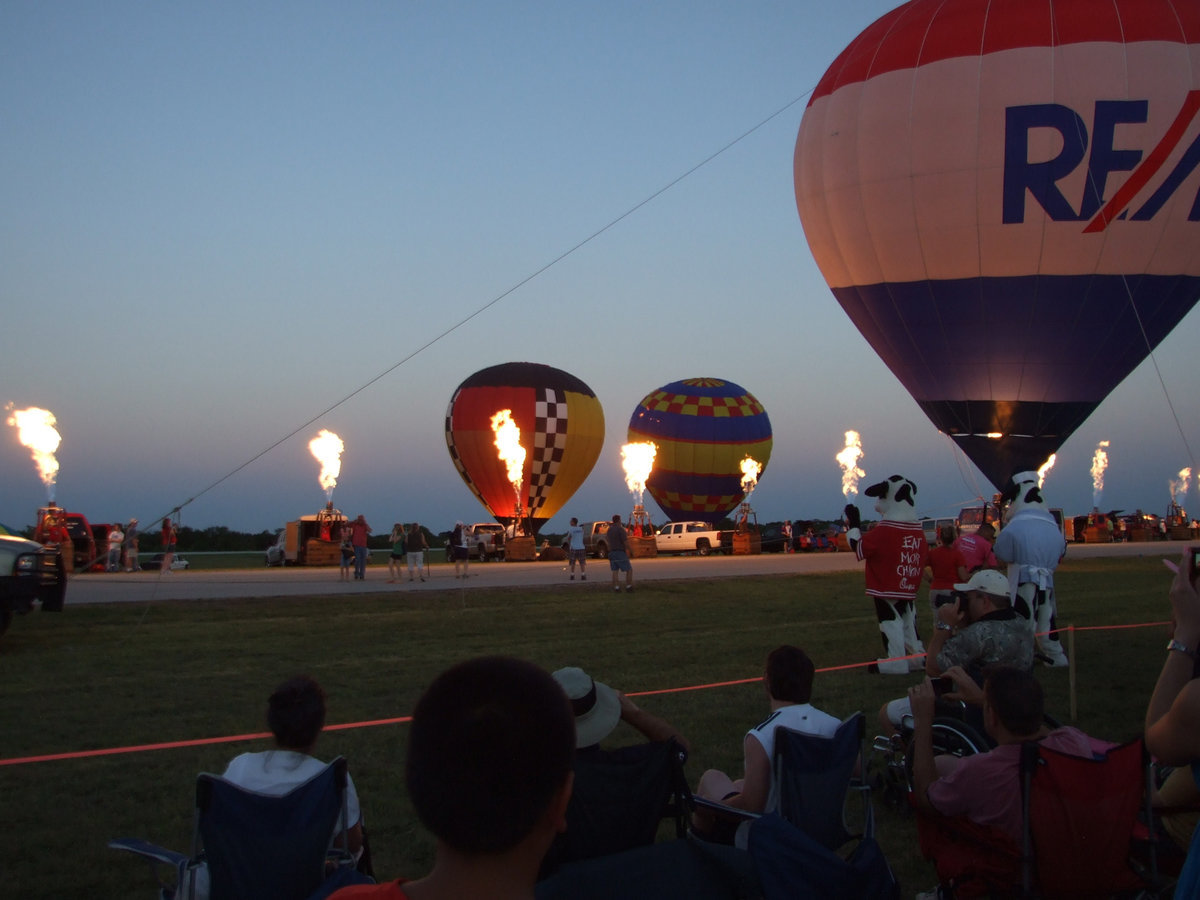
(895, 552)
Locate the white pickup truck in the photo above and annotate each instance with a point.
(688, 537)
(487, 541)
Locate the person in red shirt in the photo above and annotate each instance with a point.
(946, 567)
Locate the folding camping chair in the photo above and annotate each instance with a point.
(247, 844)
(1080, 818)
(811, 783)
(619, 799)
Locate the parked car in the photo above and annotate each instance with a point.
(156, 561)
(29, 573)
(277, 552)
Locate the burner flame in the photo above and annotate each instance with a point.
(637, 459)
(848, 460)
(36, 431)
(327, 448)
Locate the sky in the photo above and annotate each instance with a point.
(220, 221)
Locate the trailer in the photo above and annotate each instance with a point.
(309, 541)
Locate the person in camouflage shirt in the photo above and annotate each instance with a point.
(977, 629)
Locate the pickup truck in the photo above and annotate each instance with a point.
(595, 541)
(487, 541)
(688, 537)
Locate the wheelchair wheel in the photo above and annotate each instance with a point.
(951, 737)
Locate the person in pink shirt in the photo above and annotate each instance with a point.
(976, 549)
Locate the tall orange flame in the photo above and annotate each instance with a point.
(327, 448)
(751, 469)
(1179, 488)
(848, 459)
(1099, 465)
(1046, 467)
(35, 430)
(512, 454)
(637, 459)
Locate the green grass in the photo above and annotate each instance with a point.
(124, 675)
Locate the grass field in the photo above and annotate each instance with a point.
(123, 675)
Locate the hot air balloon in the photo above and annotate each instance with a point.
(1003, 198)
(703, 428)
(561, 432)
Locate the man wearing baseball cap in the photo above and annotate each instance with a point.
(979, 628)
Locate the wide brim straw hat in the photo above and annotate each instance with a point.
(597, 707)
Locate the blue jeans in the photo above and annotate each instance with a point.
(360, 562)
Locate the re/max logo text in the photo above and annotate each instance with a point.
(1041, 179)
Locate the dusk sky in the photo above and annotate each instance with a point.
(217, 221)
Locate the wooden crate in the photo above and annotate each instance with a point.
(642, 547)
(322, 553)
(746, 543)
(519, 549)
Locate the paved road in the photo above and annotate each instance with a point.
(98, 587)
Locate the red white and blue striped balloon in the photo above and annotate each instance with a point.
(1003, 196)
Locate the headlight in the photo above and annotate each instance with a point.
(24, 564)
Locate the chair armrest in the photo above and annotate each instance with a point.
(149, 850)
(724, 809)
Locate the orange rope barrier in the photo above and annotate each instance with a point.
(399, 720)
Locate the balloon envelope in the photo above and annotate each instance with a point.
(562, 432)
(704, 428)
(1003, 198)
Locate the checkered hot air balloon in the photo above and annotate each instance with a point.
(704, 428)
(562, 433)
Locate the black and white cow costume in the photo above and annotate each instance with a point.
(1031, 544)
(895, 553)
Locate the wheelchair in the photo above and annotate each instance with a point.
(957, 731)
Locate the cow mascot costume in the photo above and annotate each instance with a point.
(895, 553)
(1031, 545)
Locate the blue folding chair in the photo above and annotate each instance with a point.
(251, 845)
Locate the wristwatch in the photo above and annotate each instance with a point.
(942, 626)
(1181, 647)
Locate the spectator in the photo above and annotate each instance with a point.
(359, 532)
(618, 554)
(599, 709)
(788, 680)
(1173, 714)
(986, 787)
(489, 773)
(978, 631)
(397, 554)
(460, 549)
(417, 545)
(131, 547)
(115, 538)
(576, 552)
(295, 715)
(976, 549)
(946, 567)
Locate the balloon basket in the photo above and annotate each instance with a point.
(642, 547)
(1097, 534)
(746, 543)
(322, 553)
(520, 549)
